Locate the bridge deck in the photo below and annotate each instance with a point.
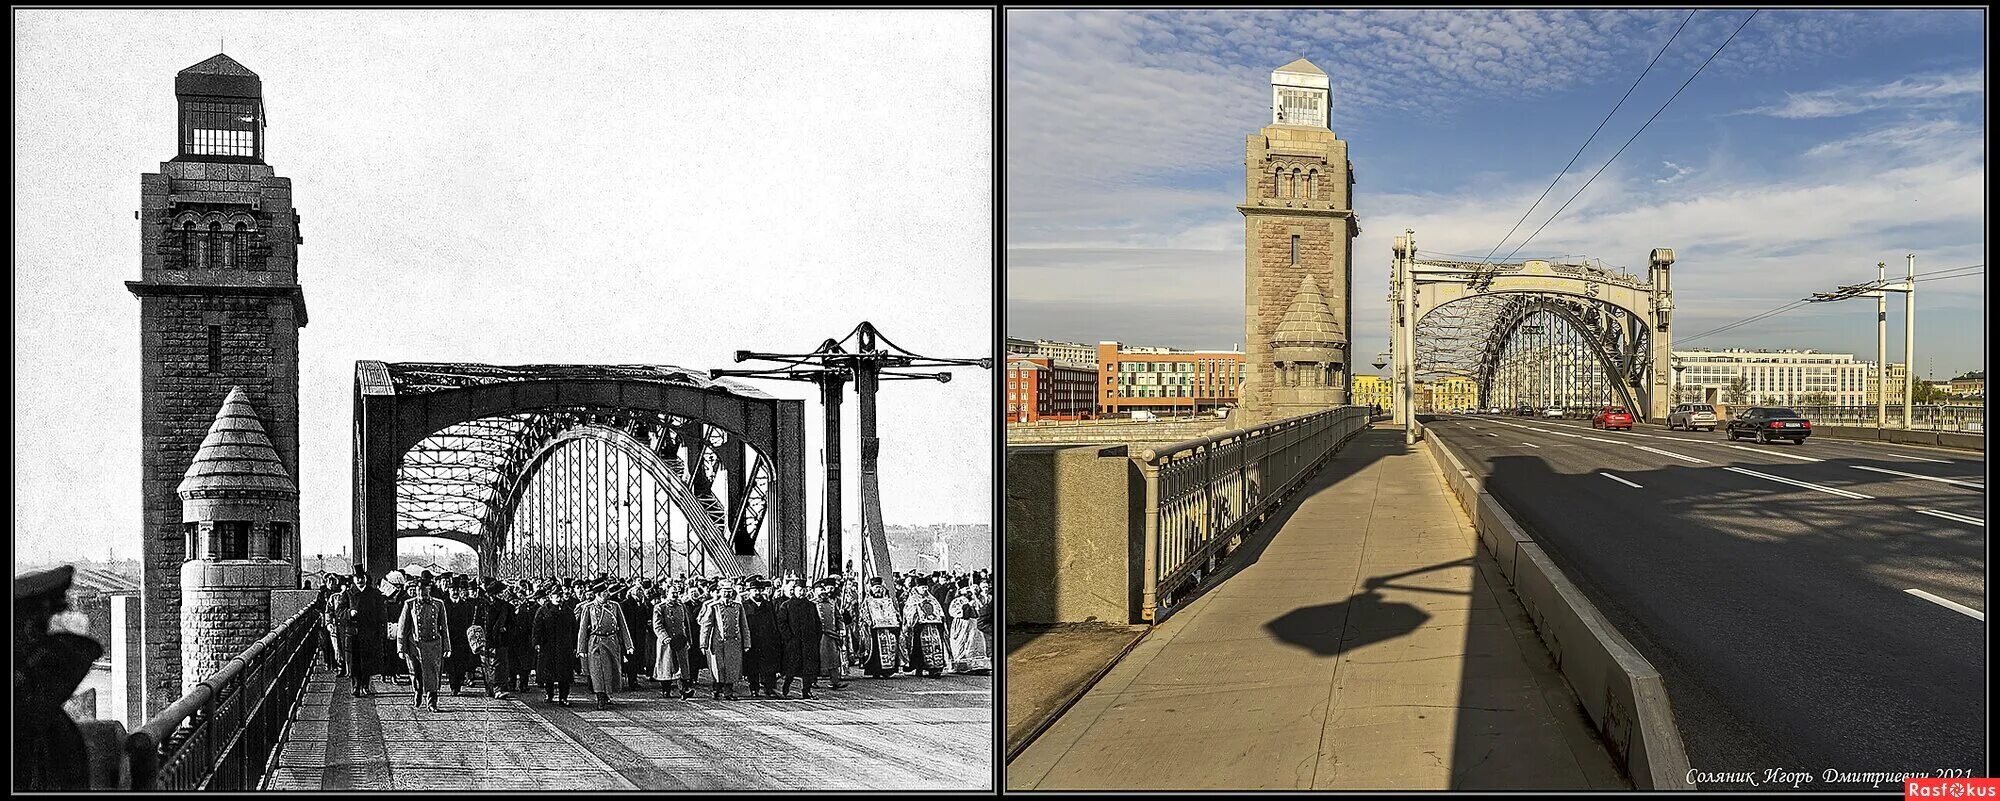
(1365, 643)
(900, 733)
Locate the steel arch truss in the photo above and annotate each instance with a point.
(1602, 351)
(628, 470)
(1608, 327)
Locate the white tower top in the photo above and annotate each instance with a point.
(1300, 95)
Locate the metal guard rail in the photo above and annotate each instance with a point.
(1927, 417)
(1202, 495)
(224, 734)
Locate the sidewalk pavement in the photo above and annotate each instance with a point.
(1364, 642)
(1049, 666)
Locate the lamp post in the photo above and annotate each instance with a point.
(1674, 392)
(1879, 291)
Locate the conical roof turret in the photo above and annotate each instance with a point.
(237, 456)
(1309, 321)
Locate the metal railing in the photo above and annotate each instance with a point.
(224, 734)
(1959, 418)
(1204, 495)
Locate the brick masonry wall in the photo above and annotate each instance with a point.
(180, 396)
(218, 625)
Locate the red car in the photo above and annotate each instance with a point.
(1611, 417)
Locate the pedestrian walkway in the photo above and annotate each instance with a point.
(1363, 643)
(876, 734)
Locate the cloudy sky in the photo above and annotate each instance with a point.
(517, 187)
(1817, 144)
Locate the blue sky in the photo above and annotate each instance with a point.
(1818, 143)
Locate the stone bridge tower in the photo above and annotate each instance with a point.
(219, 308)
(1298, 247)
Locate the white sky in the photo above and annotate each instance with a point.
(519, 187)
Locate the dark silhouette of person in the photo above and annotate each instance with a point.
(48, 747)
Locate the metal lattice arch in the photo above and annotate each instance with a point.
(577, 469)
(1469, 316)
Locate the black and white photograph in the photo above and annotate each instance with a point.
(504, 400)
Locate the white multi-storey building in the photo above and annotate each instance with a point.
(1783, 377)
(1069, 353)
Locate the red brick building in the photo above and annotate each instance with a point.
(1040, 388)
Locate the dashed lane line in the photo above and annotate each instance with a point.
(1621, 481)
(1954, 517)
(1806, 484)
(1914, 475)
(1948, 604)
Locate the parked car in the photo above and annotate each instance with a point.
(1692, 416)
(1496, 410)
(1524, 410)
(1766, 423)
(1611, 417)
(1552, 411)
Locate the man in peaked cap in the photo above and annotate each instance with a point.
(48, 748)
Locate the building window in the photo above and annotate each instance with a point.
(1295, 248)
(188, 245)
(230, 539)
(193, 539)
(217, 254)
(240, 246)
(215, 349)
(218, 128)
(1312, 185)
(279, 532)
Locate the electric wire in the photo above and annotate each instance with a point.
(1635, 135)
(1586, 143)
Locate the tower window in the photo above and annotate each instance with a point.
(215, 349)
(1295, 248)
(1312, 188)
(1278, 182)
(187, 245)
(193, 531)
(230, 540)
(215, 254)
(240, 246)
(218, 128)
(279, 530)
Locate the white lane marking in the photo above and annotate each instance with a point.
(1951, 605)
(1621, 481)
(1827, 490)
(1914, 475)
(1531, 445)
(1959, 518)
(1923, 459)
(1671, 453)
(1492, 435)
(1771, 453)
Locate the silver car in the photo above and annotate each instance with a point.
(1691, 416)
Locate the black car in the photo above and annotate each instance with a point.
(1524, 411)
(1766, 423)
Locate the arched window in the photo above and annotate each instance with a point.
(212, 257)
(1278, 182)
(1312, 186)
(240, 246)
(1298, 183)
(188, 241)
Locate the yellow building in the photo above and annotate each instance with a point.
(1454, 392)
(1373, 390)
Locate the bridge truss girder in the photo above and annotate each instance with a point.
(1456, 318)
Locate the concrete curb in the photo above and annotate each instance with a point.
(1936, 439)
(1621, 691)
(1034, 733)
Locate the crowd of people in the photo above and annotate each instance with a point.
(438, 630)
